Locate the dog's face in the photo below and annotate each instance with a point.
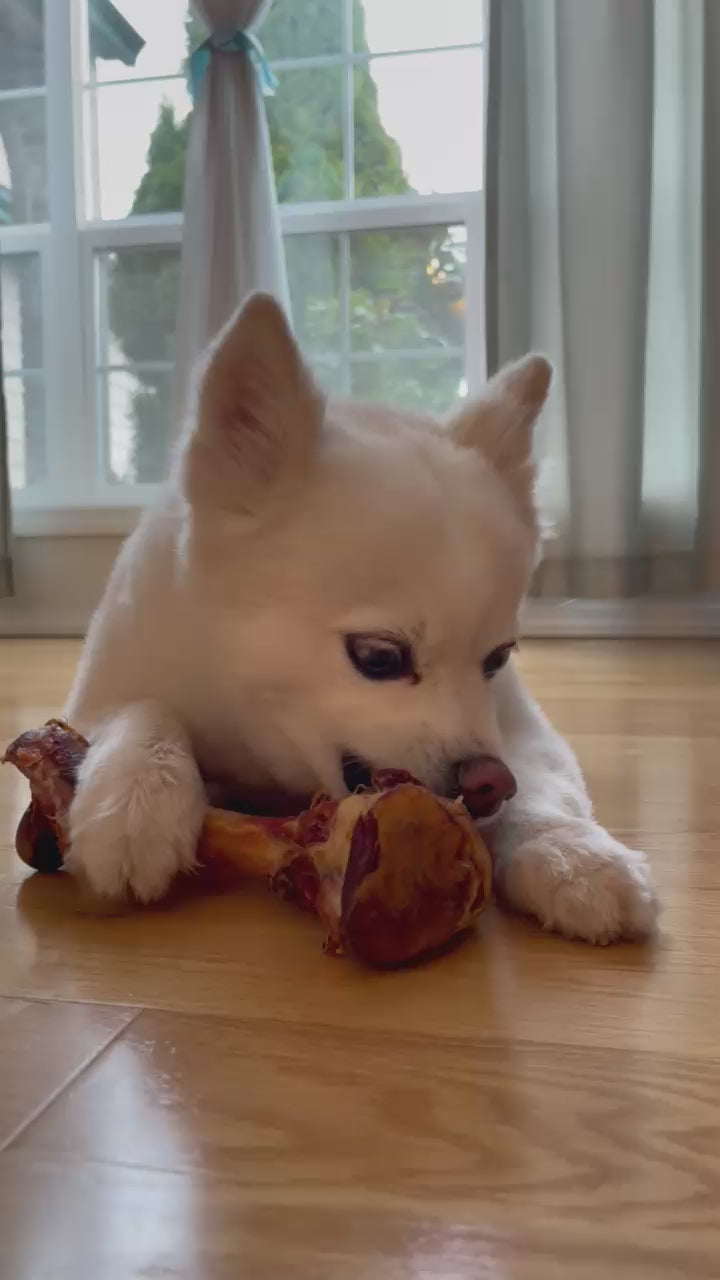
(361, 569)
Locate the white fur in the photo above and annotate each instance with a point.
(139, 806)
(553, 860)
(218, 651)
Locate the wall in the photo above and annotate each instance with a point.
(58, 582)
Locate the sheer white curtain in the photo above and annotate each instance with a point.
(231, 233)
(603, 222)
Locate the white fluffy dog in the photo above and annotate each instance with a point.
(323, 589)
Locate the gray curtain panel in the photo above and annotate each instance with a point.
(6, 576)
(603, 209)
(232, 242)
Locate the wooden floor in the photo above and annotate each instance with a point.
(198, 1092)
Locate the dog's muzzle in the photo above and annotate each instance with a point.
(484, 782)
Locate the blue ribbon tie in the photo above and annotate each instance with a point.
(241, 42)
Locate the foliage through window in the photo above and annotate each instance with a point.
(376, 132)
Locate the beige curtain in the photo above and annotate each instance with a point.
(231, 236)
(6, 576)
(603, 156)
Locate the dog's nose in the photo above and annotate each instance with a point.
(484, 783)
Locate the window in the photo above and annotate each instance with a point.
(377, 137)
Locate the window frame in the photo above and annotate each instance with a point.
(75, 499)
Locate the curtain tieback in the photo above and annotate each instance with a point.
(243, 42)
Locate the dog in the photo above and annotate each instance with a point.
(324, 589)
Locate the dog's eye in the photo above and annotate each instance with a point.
(379, 657)
(496, 660)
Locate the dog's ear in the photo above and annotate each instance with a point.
(259, 413)
(499, 422)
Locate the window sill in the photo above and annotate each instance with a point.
(75, 522)
(647, 617)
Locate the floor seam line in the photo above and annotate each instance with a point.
(74, 1076)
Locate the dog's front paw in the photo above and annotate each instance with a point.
(117, 862)
(135, 818)
(576, 879)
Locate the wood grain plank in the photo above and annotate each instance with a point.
(44, 1046)
(483, 1139)
(244, 954)
(527, 1108)
(109, 1222)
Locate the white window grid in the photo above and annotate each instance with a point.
(76, 496)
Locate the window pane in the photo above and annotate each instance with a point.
(314, 279)
(22, 44)
(379, 163)
(22, 362)
(405, 296)
(137, 135)
(386, 26)
(293, 30)
(330, 375)
(135, 414)
(407, 288)
(305, 119)
(25, 404)
(428, 385)
(140, 38)
(23, 184)
(21, 312)
(408, 138)
(138, 291)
